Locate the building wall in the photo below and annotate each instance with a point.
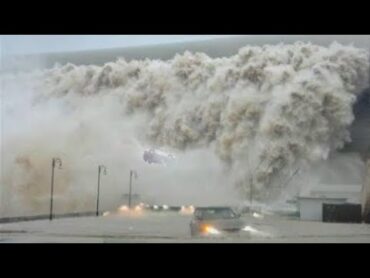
(311, 209)
(366, 192)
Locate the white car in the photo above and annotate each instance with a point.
(215, 221)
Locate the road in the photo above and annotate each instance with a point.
(170, 227)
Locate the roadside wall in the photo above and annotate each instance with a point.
(366, 194)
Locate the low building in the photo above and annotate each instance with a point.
(310, 206)
(351, 192)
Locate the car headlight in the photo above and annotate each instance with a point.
(123, 208)
(138, 208)
(211, 230)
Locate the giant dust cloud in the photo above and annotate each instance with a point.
(252, 118)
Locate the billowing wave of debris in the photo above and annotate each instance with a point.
(264, 111)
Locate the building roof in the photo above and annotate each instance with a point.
(320, 198)
(337, 188)
(338, 192)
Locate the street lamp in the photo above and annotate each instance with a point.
(132, 173)
(251, 192)
(53, 163)
(100, 168)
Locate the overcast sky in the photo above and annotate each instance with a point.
(30, 44)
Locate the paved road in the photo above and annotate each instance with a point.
(171, 227)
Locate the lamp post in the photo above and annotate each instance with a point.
(251, 192)
(53, 163)
(132, 173)
(100, 168)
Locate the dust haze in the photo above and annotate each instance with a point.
(258, 116)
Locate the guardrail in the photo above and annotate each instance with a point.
(44, 217)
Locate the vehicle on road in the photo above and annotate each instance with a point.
(215, 221)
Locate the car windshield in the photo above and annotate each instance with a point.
(216, 214)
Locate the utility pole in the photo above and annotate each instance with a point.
(251, 193)
(53, 162)
(100, 168)
(132, 172)
(290, 178)
(251, 182)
